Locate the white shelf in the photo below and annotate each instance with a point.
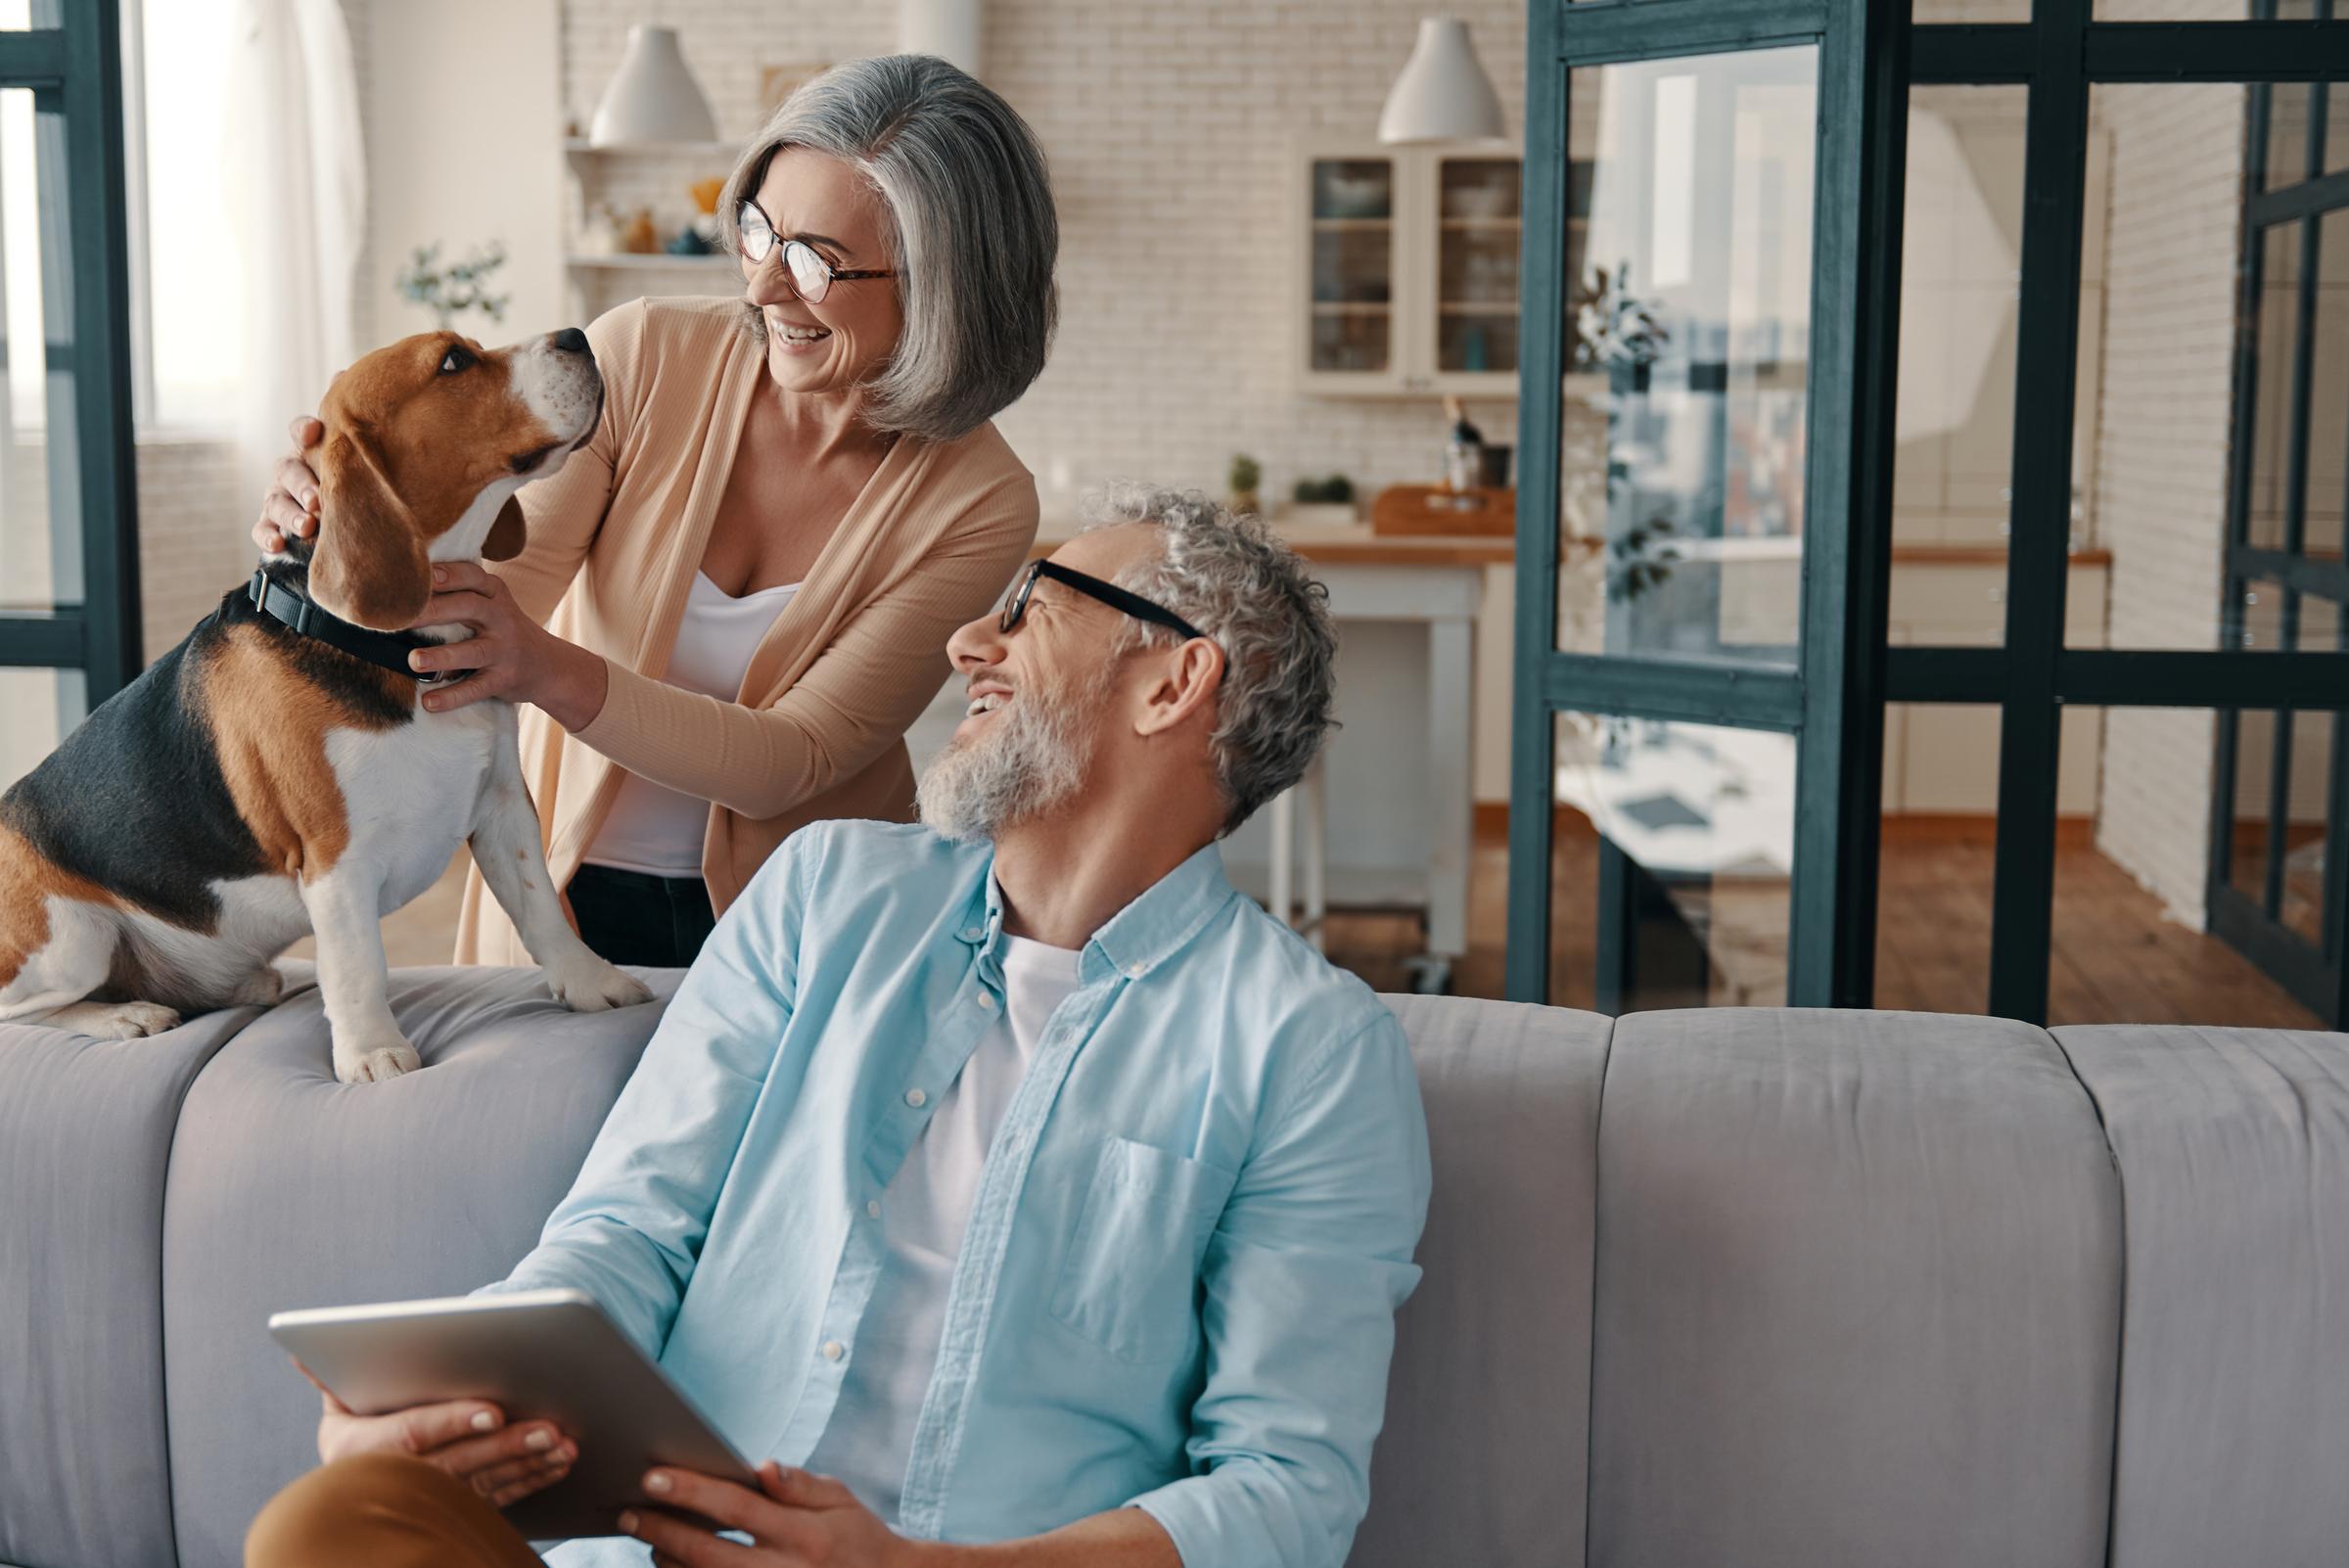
(642, 262)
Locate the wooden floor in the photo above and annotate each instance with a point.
(2116, 959)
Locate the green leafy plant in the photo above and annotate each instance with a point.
(449, 291)
(1246, 475)
(1337, 490)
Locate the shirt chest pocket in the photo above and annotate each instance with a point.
(1129, 1279)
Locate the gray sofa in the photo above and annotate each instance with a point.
(1732, 1287)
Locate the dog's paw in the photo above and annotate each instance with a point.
(375, 1061)
(589, 985)
(130, 1020)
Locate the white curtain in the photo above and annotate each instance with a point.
(297, 190)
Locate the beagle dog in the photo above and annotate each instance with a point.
(275, 775)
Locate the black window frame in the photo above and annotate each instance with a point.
(71, 60)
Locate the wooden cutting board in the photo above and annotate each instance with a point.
(1425, 509)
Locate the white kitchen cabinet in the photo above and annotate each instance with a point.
(1408, 270)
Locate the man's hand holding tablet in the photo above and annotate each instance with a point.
(466, 1438)
(532, 1398)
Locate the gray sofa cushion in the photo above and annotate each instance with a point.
(85, 1135)
(2234, 1151)
(289, 1189)
(1486, 1446)
(1859, 1295)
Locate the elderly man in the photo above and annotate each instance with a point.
(1010, 1179)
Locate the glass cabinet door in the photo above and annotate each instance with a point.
(1353, 277)
(1477, 231)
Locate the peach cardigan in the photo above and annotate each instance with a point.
(615, 540)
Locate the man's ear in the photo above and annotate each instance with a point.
(508, 534)
(1186, 682)
(370, 566)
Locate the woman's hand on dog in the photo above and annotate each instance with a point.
(290, 511)
(466, 1438)
(509, 655)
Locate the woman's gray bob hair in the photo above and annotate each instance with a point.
(1233, 578)
(975, 235)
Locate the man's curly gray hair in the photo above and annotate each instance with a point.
(1230, 577)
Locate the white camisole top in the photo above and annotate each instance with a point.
(653, 828)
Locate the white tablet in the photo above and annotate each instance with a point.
(540, 1355)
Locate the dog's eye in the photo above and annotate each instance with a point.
(454, 360)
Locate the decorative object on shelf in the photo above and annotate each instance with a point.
(1480, 203)
(1246, 475)
(1441, 94)
(601, 234)
(449, 291)
(704, 194)
(686, 241)
(653, 97)
(640, 238)
(778, 82)
(950, 29)
(1355, 193)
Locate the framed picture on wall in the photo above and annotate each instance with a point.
(778, 82)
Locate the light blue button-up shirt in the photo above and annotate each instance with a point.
(1190, 1236)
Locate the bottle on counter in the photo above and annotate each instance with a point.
(1463, 451)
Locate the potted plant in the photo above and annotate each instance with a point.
(449, 291)
(1321, 502)
(1246, 475)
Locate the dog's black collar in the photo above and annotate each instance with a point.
(386, 650)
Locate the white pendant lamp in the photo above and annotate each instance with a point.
(653, 97)
(950, 29)
(1443, 94)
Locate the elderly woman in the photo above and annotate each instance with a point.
(737, 596)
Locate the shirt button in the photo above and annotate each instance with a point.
(973, 932)
(987, 1001)
(916, 1099)
(834, 1350)
(872, 1206)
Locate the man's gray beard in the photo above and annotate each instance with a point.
(1028, 761)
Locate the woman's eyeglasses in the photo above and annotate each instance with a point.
(811, 276)
(1109, 593)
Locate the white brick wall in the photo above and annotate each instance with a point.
(194, 535)
(1169, 130)
(2161, 452)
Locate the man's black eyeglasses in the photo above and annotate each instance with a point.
(1109, 593)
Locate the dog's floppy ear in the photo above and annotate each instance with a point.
(370, 566)
(507, 535)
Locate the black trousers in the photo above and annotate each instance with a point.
(631, 918)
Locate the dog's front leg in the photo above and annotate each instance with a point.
(345, 907)
(505, 845)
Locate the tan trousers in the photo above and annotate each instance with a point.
(383, 1510)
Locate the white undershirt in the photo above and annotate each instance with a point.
(651, 827)
(923, 1215)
